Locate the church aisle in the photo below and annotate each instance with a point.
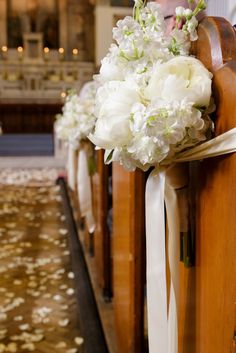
(37, 297)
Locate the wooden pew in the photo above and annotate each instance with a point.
(102, 236)
(207, 308)
(206, 321)
(129, 258)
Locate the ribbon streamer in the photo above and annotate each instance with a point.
(71, 167)
(84, 190)
(160, 193)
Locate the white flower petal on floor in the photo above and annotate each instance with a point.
(70, 291)
(2, 347)
(79, 340)
(28, 346)
(24, 327)
(63, 322)
(63, 231)
(11, 347)
(3, 316)
(18, 318)
(61, 345)
(72, 350)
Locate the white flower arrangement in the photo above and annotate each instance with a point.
(77, 119)
(154, 98)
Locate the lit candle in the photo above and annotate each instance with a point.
(20, 52)
(63, 95)
(75, 53)
(46, 53)
(4, 51)
(61, 52)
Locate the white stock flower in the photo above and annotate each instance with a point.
(114, 102)
(191, 26)
(181, 78)
(153, 18)
(179, 43)
(127, 31)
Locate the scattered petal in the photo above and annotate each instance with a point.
(18, 318)
(24, 327)
(57, 297)
(64, 322)
(79, 340)
(28, 346)
(61, 345)
(70, 291)
(3, 316)
(72, 350)
(63, 231)
(11, 347)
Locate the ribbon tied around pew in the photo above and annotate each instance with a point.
(161, 200)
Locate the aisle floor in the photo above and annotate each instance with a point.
(37, 290)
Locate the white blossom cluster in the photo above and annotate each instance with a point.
(77, 119)
(142, 41)
(154, 98)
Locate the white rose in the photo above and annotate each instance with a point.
(181, 78)
(114, 101)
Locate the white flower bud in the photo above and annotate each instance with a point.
(179, 11)
(188, 12)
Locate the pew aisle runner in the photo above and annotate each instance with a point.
(37, 297)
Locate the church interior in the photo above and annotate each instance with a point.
(77, 236)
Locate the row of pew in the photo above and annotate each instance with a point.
(207, 311)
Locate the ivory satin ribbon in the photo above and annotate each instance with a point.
(71, 168)
(84, 190)
(160, 193)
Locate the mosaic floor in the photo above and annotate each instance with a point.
(37, 296)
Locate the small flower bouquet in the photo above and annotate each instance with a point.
(77, 119)
(154, 98)
(73, 126)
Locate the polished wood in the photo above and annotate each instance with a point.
(206, 320)
(216, 230)
(216, 44)
(208, 290)
(102, 236)
(128, 257)
(28, 118)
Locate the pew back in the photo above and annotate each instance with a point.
(207, 318)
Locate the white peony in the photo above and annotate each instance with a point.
(181, 78)
(114, 102)
(111, 67)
